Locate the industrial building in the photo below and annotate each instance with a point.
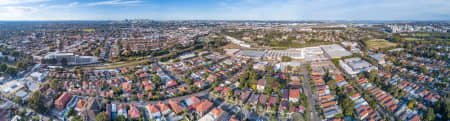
(70, 58)
(278, 54)
(335, 51)
(355, 65)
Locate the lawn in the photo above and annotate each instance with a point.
(422, 34)
(411, 39)
(88, 30)
(379, 43)
(231, 46)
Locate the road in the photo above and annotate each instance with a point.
(307, 88)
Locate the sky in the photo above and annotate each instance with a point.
(11, 10)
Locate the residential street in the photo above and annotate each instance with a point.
(309, 93)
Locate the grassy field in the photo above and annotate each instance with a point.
(231, 46)
(379, 43)
(422, 34)
(411, 39)
(88, 30)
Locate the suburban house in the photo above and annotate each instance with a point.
(153, 111)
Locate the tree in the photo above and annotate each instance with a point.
(297, 117)
(55, 84)
(133, 77)
(332, 84)
(76, 118)
(361, 75)
(21, 65)
(70, 112)
(269, 69)
(97, 53)
(3, 67)
(11, 71)
(156, 79)
(411, 104)
(101, 117)
(430, 115)
(35, 101)
(35, 118)
(289, 68)
(18, 100)
(423, 69)
(120, 118)
(188, 81)
(286, 59)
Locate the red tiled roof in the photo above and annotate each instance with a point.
(204, 106)
(81, 104)
(216, 111)
(63, 99)
(176, 107)
(294, 93)
(163, 107)
(134, 112)
(153, 108)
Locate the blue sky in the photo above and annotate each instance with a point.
(225, 9)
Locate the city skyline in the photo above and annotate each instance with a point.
(11, 10)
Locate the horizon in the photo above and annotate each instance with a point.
(228, 10)
(256, 20)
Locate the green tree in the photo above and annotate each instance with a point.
(289, 68)
(286, 59)
(76, 118)
(429, 116)
(120, 118)
(21, 65)
(156, 79)
(423, 69)
(55, 84)
(297, 117)
(269, 69)
(35, 118)
(18, 100)
(332, 84)
(11, 71)
(411, 104)
(97, 53)
(35, 102)
(101, 117)
(188, 81)
(3, 67)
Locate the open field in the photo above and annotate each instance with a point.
(422, 34)
(379, 43)
(411, 39)
(231, 46)
(88, 30)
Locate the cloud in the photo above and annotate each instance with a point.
(17, 2)
(16, 12)
(70, 5)
(115, 2)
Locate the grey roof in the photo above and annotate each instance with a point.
(335, 51)
(251, 53)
